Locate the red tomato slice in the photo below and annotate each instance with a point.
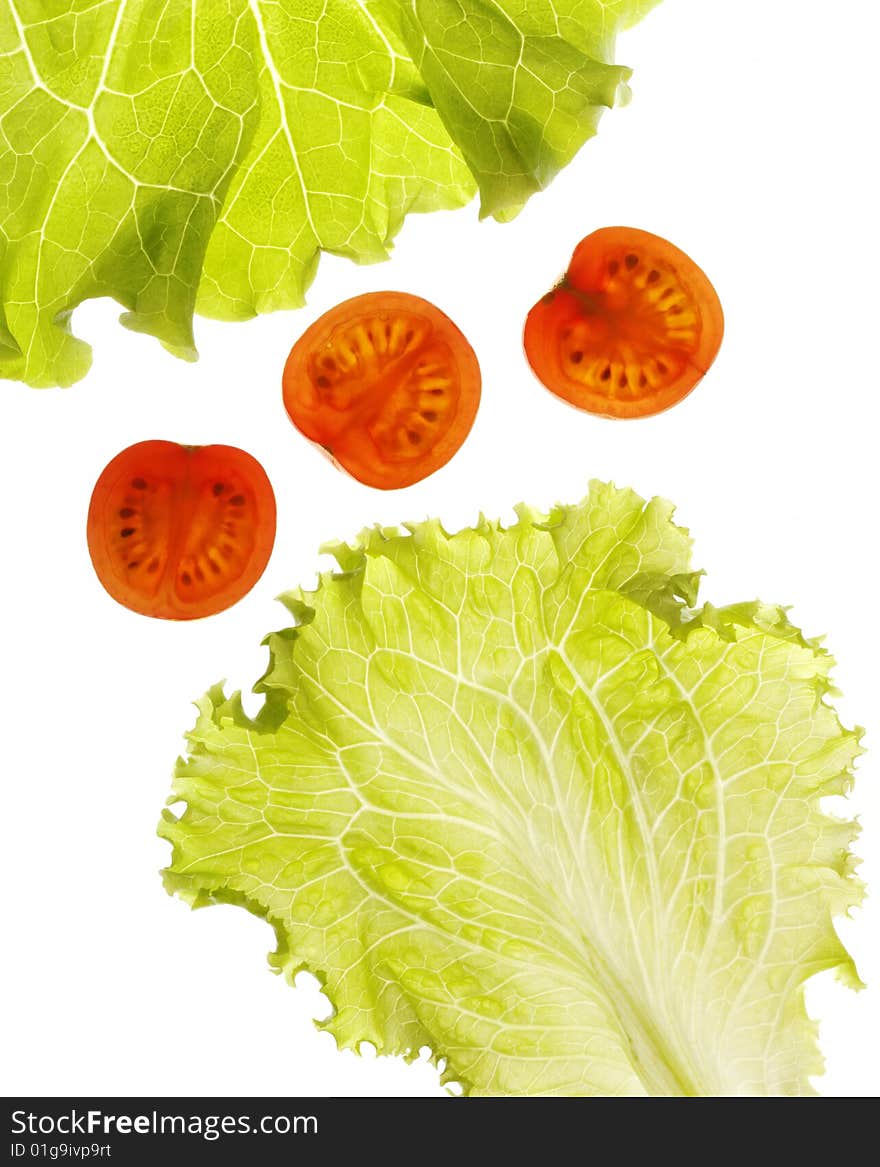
(386, 384)
(181, 531)
(631, 328)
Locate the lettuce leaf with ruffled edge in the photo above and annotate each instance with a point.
(511, 796)
(201, 154)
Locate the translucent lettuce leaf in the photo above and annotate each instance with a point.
(511, 797)
(202, 153)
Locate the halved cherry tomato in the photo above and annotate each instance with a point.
(181, 531)
(630, 329)
(386, 384)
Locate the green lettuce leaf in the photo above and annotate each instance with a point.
(511, 797)
(202, 153)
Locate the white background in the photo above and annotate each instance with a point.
(750, 143)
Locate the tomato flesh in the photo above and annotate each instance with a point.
(180, 532)
(386, 384)
(630, 329)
